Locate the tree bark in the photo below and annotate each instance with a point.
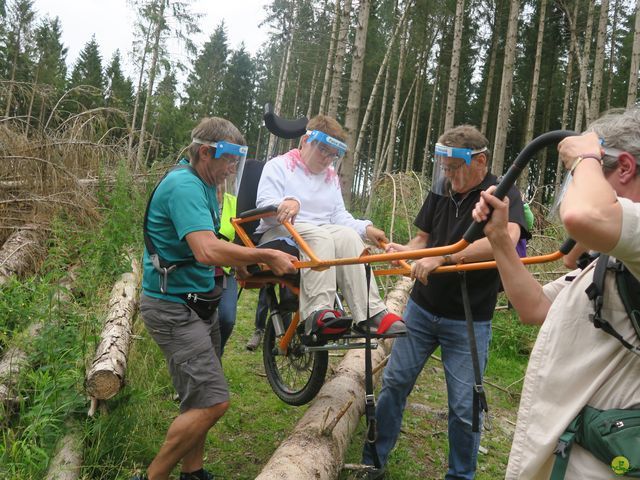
(632, 93)
(504, 108)
(598, 70)
(454, 69)
(396, 102)
(136, 103)
(312, 91)
(491, 74)
(353, 100)
(21, 252)
(67, 462)
(523, 180)
(612, 52)
(152, 77)
(583, 95)
(282, 80)
(317, 431)
(338, 64)
(427, 141)
(326, 85)
(105, 378)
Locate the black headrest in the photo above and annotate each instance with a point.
(248, 191)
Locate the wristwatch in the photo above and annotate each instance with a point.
(448, 259)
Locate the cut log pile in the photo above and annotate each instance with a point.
(316, 447)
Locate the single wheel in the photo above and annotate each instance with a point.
(297, 376)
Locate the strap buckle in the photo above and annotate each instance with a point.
(162, 271)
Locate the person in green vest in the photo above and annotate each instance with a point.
(228, 307)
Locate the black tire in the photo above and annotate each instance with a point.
(296, 377)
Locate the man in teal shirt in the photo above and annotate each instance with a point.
(181, 250)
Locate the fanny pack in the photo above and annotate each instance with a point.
(612, 436)
(204, 304)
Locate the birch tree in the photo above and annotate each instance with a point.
(338, 63)
(598, 64)
(454, 69)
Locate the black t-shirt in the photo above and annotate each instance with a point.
(446, 219)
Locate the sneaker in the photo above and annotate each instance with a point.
(201, 474)
(383, 324)
(255, 339)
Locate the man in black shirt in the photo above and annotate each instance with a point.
(434, 315)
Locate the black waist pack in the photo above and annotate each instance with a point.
(324, 325)
(204, 304)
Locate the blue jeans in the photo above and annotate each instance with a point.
(227, 310)
(425, 332)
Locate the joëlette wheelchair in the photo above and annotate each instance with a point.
(295, 363)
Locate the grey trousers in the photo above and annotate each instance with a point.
(318, 288)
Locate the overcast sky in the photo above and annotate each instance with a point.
(112, 23)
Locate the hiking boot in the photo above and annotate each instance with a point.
(383, 324)
(201, 474)
(255, 339)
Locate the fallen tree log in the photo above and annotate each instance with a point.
(67, 462)
(21, 252)
(15, 359)
(316, 447)
(106, 375)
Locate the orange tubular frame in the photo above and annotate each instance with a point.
(404, 269)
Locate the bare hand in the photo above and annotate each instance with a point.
(280, 262)
(572, 147)
(498, 218)
(376, 235)
(421, 268)
(395, 247)
(287, 210)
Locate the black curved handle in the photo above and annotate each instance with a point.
(474, 232)
(282, 127)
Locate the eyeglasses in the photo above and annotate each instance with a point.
(610, 157)
(328, 153)
(453, 167)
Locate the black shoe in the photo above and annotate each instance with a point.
(383, 324)
(201, 474)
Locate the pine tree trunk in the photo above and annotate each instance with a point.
(353, 100)
(328, 425)
(427, 142)
(14, 67)
(282, 80)
(491, 73)
(32, 98)
(598, 70)
(583, 95)
(136, 102)
(312, 91)
(396, 102)
(338, 64)
(152, 78)
(523, 180)
(567, 96)
(454, 69)
(326, 85)
(106, 375)
(632, 94)
(504, 108)
(376, 84)
(382, 123)
(22, 252)
(612, 53)
(415, 118)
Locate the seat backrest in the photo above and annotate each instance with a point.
(248, 192)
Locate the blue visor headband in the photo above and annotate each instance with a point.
(223, 147)
(455, 152)
(318, 136)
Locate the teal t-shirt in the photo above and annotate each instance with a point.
(181, 204)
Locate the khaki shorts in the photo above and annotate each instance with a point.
(191, 347)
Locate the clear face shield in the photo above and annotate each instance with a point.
(449, 165)
(234, 154)
(325, 150)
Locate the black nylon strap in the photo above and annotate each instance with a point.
(369, 398)
(479, 397)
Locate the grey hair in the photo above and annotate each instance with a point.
(213, 129)
(619, 128)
